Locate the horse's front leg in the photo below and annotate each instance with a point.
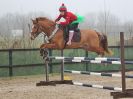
(44, 47)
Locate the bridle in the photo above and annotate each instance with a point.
(35, 33)
(47, 38)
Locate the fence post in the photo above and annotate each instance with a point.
(62, 66)
(50, 62)
(10, 63)
(122, 61)
(86, 64)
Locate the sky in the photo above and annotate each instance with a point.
(123, 9)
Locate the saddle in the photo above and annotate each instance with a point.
(76, 36)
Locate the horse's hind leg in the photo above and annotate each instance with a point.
(98, 50)
(100, 54)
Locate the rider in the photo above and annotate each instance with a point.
(70, 18)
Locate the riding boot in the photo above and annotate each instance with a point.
(70, 37)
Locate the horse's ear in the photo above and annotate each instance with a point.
(34, 21)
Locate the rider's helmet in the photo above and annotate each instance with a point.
(63, 8)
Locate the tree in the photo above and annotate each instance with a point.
(17, 21)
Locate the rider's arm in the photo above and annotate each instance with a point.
(58, 18)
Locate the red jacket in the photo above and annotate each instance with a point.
(70, 17)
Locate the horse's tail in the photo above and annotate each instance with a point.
(104, 44)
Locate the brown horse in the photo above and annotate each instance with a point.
(90, 39)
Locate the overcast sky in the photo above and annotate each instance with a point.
(121, 8)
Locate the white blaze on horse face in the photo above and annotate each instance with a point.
(32, 37)
(32, 27)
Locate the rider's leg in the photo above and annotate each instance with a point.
(72, 28)
(71, 32)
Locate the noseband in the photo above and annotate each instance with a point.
(36, 32)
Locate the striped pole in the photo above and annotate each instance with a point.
(85, 58)
(97, 86)
(97, 74)
(98, 61)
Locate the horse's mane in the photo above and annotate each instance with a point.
(44, 19)
(41, 18)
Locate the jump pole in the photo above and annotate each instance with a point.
(54, 82)
(46, 82)
(97, 73)
(126, 93)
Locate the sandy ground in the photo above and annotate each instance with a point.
(25, 88)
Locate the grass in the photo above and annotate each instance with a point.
(4, 58)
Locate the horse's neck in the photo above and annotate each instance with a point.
(48, 31)
(54, 32)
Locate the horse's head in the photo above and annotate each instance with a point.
(36, 29)
(40, 25)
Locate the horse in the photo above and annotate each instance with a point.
(91, 40)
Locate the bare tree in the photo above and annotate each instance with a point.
(128, 29)
(128, 26)
(17, 21)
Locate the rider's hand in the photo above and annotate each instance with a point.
(57, 22)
